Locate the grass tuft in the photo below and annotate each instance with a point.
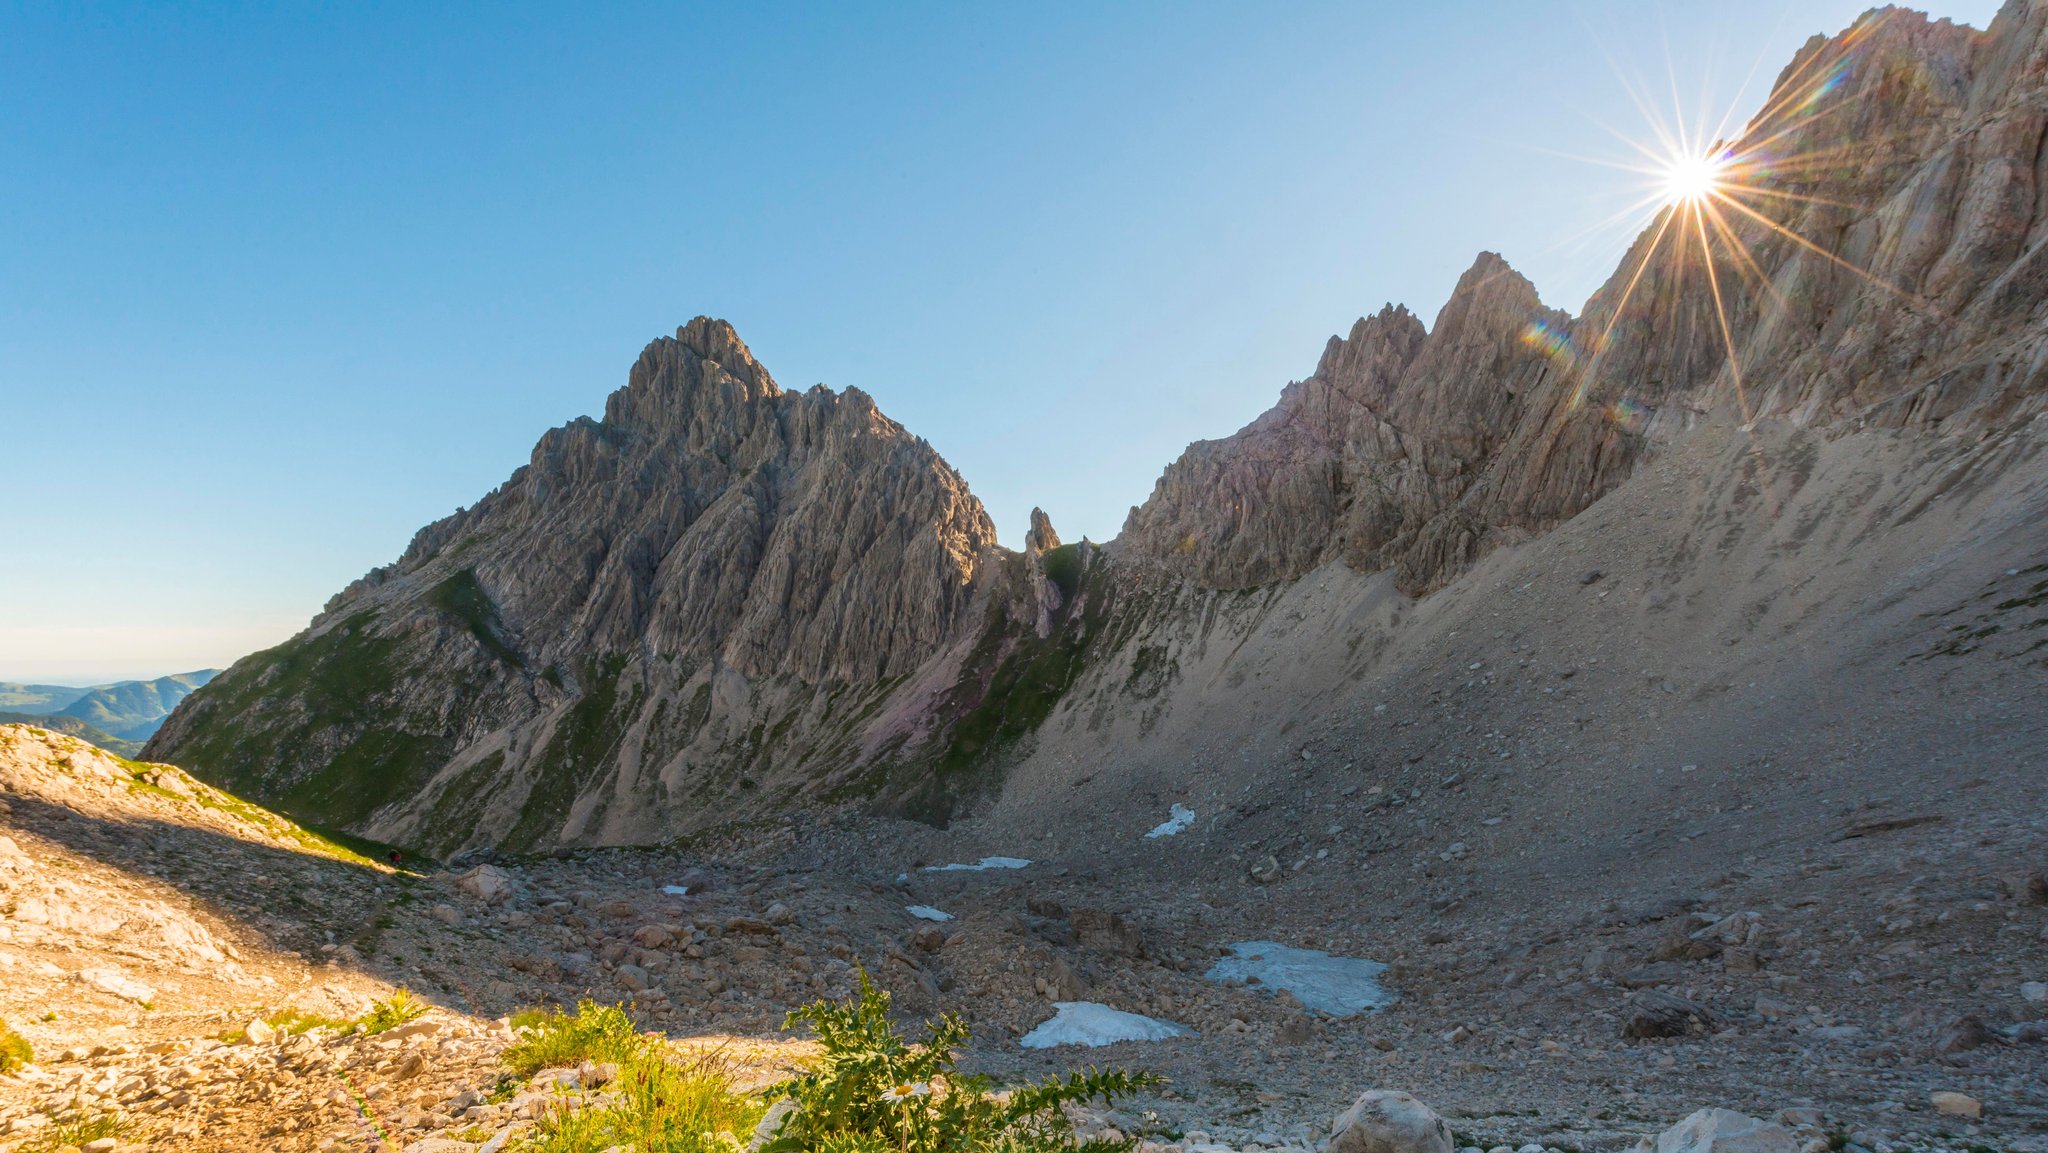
(552, 1039)
(15, 1050)
(75, 1133)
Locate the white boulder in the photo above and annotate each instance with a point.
(1722, 1131)
(1389, 1121)
(115, 983)
(487, 883)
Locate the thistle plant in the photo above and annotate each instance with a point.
(874, 1092)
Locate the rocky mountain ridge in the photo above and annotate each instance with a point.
(724, 601)
(1882, 268)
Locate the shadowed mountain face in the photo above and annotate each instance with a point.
(724, 600)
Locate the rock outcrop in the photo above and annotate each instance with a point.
(714, 566)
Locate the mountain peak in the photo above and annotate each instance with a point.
(717, 341)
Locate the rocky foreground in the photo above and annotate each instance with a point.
(195, 973)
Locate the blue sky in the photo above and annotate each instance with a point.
(283, 284)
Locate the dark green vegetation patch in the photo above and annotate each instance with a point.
(324, 701)
(584, 743)
(463, 598)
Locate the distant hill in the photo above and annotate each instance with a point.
(72, 726)
(132, 710)
(41, 698)
(127, 712)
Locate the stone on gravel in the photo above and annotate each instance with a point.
(1721, 1131)
(1650, 976)
(1950, 1104)
(1965, 1033)
(114, 982)
(1654, 1013)
(487, 883)
(771, 1122)
(1389, 1121)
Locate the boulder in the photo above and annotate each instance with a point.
(771, 1123)
(1107, 933)
(1389, 1121)
(115, 983)
(1965, 1033)
(1655, 1013)
(487, 883)
(1956, 1105)
(1722, 1131)
(1651, 976)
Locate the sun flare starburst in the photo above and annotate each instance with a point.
(1715, 200)
(1691, 179)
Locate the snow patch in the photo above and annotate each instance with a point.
(676, 890)
(1339, 986)
(927, 913)
(1177, 818)
(1088, 1023)
(979, 866)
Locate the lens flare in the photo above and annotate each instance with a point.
(1553, 342)
(1712, 196)
(1692, 179)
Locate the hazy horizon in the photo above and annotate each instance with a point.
(289, 286)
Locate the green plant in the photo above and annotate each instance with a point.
(663, 1104)
(77, 1132)
(660, 1103)
(383, 1015)
(14, 1049)
(551, 1039)
(875, 1093)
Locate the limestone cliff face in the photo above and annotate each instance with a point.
(602, 628)
(724, 600)
(712, 516)
(1886, 267)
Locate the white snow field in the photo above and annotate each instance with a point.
(1338, 986)
(1177, 818)
(982, 865)
(1091, 1024)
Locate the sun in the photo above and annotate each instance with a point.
(1692, 179)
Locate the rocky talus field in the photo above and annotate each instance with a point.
(1535, 734)
(1874, 997)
